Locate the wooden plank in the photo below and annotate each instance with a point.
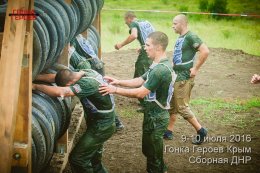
(62, 144)
(68, 1)
(22, 137)
(1, 39)
(63, 59)
(97, 25)
(10, 71)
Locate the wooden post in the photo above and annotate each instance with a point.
(22, 139)
(68, 1)
(97, 25)
(1, 39)
(10, 72)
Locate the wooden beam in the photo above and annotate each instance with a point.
(10, 72)
(22, 138)
(68, 1)
(64, 56)
(97, 25)
(1, 39)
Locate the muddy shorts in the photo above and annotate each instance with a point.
(181, 98)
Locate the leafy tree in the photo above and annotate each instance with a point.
(218, 6)
(203, 5)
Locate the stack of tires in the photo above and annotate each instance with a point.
(50, 119)
(57, 24)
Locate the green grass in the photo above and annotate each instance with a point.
(238, 33)
(234, 6)
(228, 112)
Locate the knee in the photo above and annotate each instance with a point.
(186, 112)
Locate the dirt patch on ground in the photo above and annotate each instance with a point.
(225, 75)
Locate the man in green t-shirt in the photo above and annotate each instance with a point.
(185, 50)
(138, 29)
(86, 155)
(79, 62)
(155, 86)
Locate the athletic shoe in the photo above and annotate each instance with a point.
(201, 134)
(168, 135)
(119, 124)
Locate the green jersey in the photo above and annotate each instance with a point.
(158, 79)
(184, 54)
(144, 28)
(95, 105)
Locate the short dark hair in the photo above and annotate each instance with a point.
(159, 38)
(63, 77)
(130, 14)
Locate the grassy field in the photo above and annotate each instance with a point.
(227, 112)
(236, 33)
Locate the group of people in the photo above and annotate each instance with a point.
(163, 88)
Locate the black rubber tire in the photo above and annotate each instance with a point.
(94, 10)
(59, 24)
(44, 42)
(100, 4)
(37, 55)
(72, 18)
(67, 103)
(59, 106)
(91, 35)
(75, 9)
(94, 31)
(53, 35)
(57, 67)
(39, 142)
(56, 117)
(2, 16)
(47, 132)
(64, 15)
(34, 156)
(85, 9)
(47, 41)
(51, 115)
(92, 42)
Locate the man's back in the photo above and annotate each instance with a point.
(87, 90)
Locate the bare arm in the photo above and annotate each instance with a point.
(50, 78)
(133, 83)
(129, 39)
(54, 91)
(203, 55)
(140, 92)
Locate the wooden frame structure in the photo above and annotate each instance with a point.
(15, 90)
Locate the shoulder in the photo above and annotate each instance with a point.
(133, 24)
(192, 36)
(160, 70)
(193, 39)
